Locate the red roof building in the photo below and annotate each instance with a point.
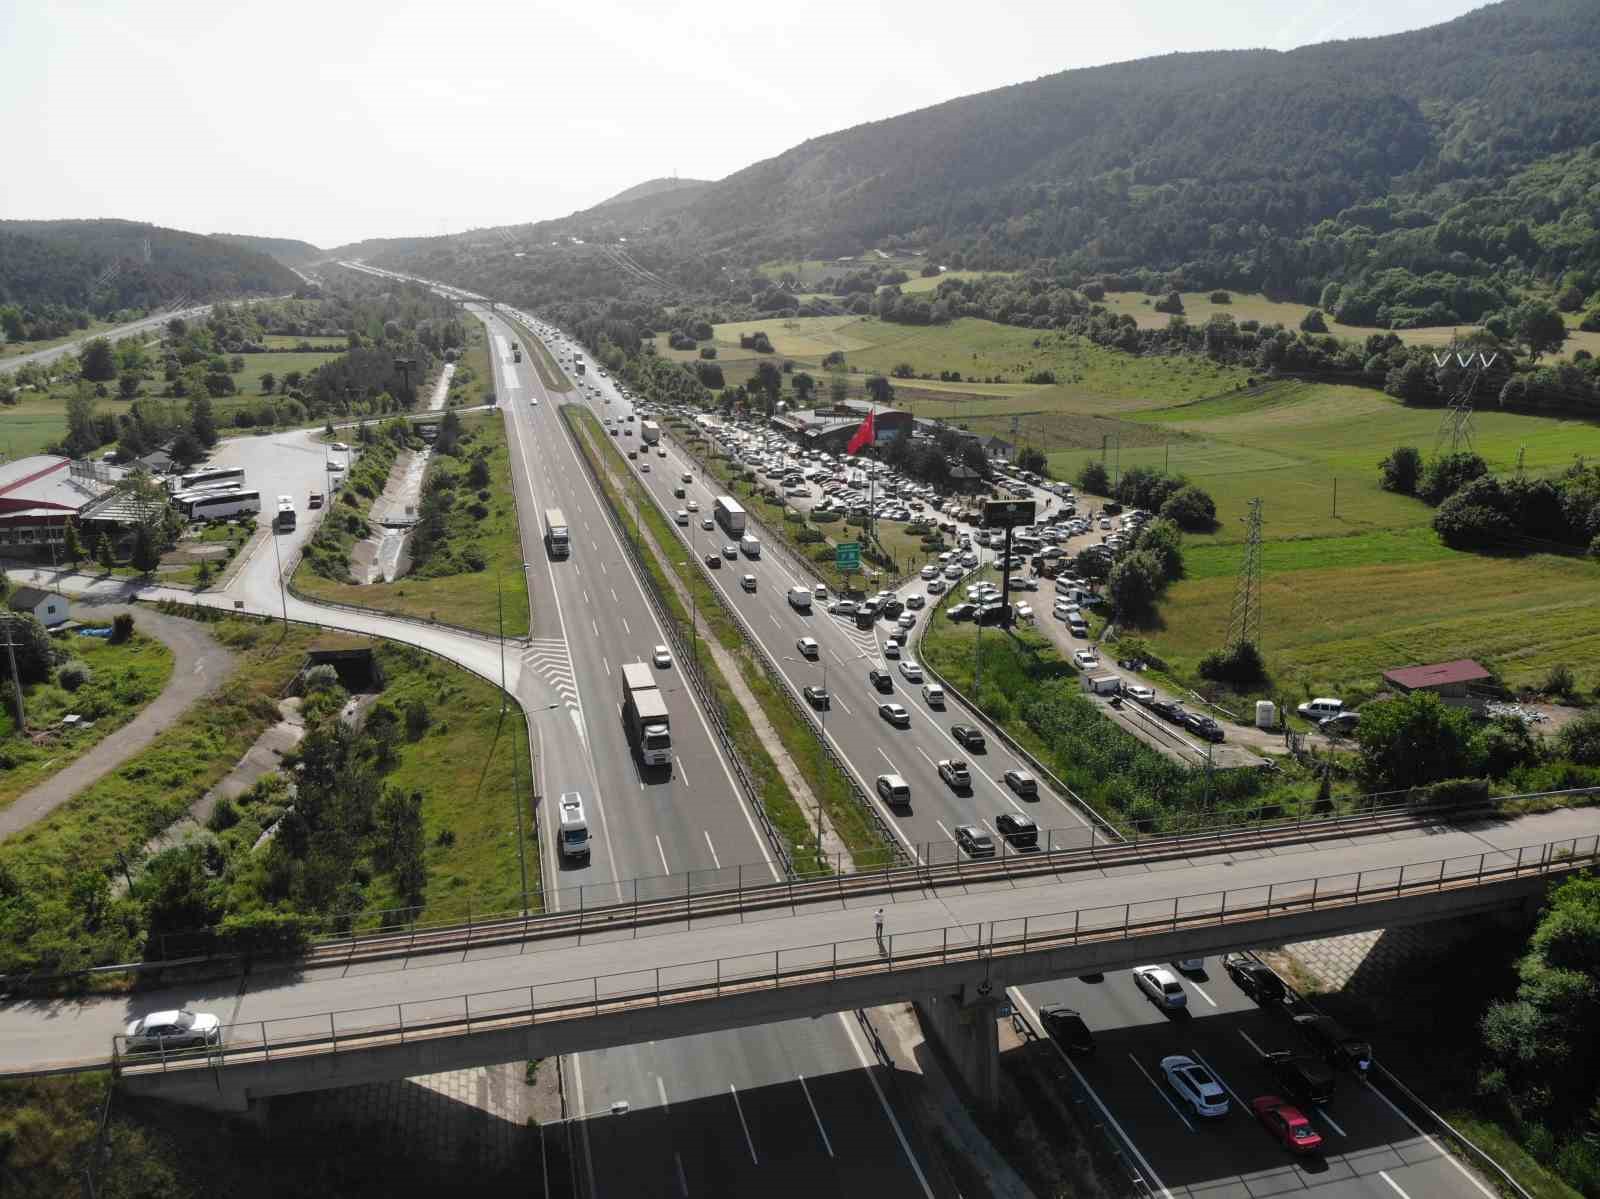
(1448, 680)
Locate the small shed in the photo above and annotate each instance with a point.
(1450, 681)
(51, 608)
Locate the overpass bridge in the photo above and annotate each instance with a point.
(954, 949)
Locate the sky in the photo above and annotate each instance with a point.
(347, 119)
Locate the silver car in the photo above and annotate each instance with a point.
(1195, 1085)
(1161, 987)
(177, 1029)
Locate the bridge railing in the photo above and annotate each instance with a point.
(828, 962)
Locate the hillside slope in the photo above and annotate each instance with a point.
(653, 188)
(107, 265)
(286, 250)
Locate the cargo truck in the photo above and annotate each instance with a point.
(516, 353)
(750, 546)
(644, 712)
(557, 543)
(650, 432)
(730, 515)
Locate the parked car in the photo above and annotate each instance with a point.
(1023, 783)
(1286, 1124)
(1196, 1086)
(974, 841)
(955, 774)
(817, 697)
(968, 738)
(1203, 726)
(173, 1029)
(1161, 987)
(1301, 1076)
(1320, 708)
(1330, 1038)
(1020, 830)
(961, 611)
(1168, 709)
(1254, 978)
(895, 715)
(1341, 725)
(1067, 1028)
(1139, 693)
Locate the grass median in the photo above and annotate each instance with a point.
(550, 374)
(644, 521)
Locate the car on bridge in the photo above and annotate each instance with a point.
(1286, 1124)
(1161, 987)
(974, 840)
(1067, 1028)
(1196, 1086)
(896, 715)
(176, 1029)
(1018, 829)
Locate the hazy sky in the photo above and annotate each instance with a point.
(348, 119)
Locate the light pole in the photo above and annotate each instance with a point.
(500, 613)
(822, 719)
(694, 618)
(283, 595)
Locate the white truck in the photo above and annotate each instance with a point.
(650, 432)
(750, 546)
(574, 827)
(644, 711)
(730, 515)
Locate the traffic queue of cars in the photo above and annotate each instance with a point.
(1302, 1081)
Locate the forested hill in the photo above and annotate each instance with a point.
(653, 187)
(286, 250)
(107, 266)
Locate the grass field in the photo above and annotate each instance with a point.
(280, 364)
(124, 679)
(16, 349)
(285, 341)
(464, 599)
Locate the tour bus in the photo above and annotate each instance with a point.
(285, 519)
(217, 505)
(204, 478)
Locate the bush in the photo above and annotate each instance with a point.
(708, 352)
(1314, 322)
(1559, 680)
(1239, 666)
(1448, 474)
(74, 675)
(321, 678)
(224, 816)
(1094, 477)
(1191, 509)
(1401, 470)
(1450, 793)
(1221, 297)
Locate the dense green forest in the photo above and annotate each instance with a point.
(103, 267)
(286, 250)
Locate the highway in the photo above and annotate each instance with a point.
(40, 357)
(687, 1101)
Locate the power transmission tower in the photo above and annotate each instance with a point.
(1244, 624)
(1456, 429)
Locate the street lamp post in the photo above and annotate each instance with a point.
(822, 719)
(283, 595)
(500, 613)
(694, 618)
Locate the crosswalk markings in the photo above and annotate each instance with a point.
(549, 658)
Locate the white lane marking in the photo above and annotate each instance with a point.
(661, 1089)
(869, 1067)
(1203, 995)
(625, 627)
(1161, 1091)
(665, 869)
(770, 617)
(1249, 1041)
(1332, 1123)
(841, 703)
(683, 1183)
(596, 629)
(924, 753)
(739, 1107)
(815, 1115)
(586, 600)
(714, 858)
(1021, 1001)
(607, 664)
(1450, 1157)
(1384, 1174)
(1195, 1053)
(885, 757)
(683, 772)
(614, 598)
(944, 830)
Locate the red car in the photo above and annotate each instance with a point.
(1287, 1124)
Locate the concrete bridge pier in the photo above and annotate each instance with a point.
(965, 1029)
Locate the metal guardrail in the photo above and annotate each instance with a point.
(828, 962)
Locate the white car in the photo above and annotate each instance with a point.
(1161, 987)
(1140, 694)
(933, 695)
(935, 586)
(1195, 1085)
(912, 672)
(706, 522)
(808, 648)
(693, 505)
(1085, 658)
(916, 600)
(340, 446)
(662, 657)
(177, 1029)
(930, 572)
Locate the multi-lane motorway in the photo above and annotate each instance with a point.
(1373, 1149)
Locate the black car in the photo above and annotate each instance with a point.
(1202, 726)
(968, 738)
(817, 697)
(1019, 830)
(714, 561)
(960, 611)
(864, 619)
(1301, 1076)
(1330, 1038)
(891, 609)
(1067, 1028)
(869, 608)
(996, 613)
(1254, 978)
(1168, 709)
(881, 679)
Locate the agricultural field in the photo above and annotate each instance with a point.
(1198, 309)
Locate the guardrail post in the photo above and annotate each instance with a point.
(1127, 911)
(777, 958)
(595, 1001)
(1025, 934)
(688, 897)
(1359, 875)
(891, 951)
(1315, 883)
(1174, 913)
(1270, 888)
(719, 976)
(333, 1035)
(533, 1017)
(1222, 909)
(658, 986)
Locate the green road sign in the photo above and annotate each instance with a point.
(847, 556)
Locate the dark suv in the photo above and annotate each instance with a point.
(1254, 978)
(1202, 726)
(1301, 1076)
(881, 679)
(1330, 1038)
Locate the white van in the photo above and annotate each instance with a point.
(1320, 708)
(800, 599)
(574, 827)
(681, 516)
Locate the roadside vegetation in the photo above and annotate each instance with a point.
(412, 807)
(106, 681)
(642, 520)
(465, 542)
(550, 372)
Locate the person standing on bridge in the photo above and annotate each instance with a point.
(877, 926)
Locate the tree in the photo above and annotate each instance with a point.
(186, 449)
(103, 554)
(1135, 585)
(203, 421)
(146, 552)
(1093, 477)
(269, 383)
(98, 363)
(1579, 740)
(1413, 740)
(1240, 666)
(128, 384)
(1314, 322)
(804, 385)
(1032, 459)
(880, 390)
(768, 380)
(1448, 474)
(71, 543)
(32, 647)
(83, 435)
(1538, 326)
(1172, 302)
(838, 383)
(1164, 543)
(1191, 509)
(1401, 470)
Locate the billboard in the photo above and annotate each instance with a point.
(1008, 514)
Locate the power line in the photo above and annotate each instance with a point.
(1244, 623)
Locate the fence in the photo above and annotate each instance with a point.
(829, 962)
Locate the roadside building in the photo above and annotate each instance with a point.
(50, 608)
(1453, 682)
(38, 495)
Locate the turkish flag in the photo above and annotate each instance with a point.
(863, 436)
